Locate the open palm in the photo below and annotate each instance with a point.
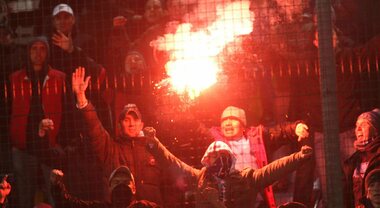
(79, 83)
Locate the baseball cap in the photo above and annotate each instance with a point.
(234, 112)
(62, 8)
(128, 109)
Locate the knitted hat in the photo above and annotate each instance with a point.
(234, 112)
(373, 117)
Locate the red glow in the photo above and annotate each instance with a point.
(194, 52)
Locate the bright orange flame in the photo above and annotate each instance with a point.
(193, 54)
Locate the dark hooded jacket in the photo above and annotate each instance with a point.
(239, 188)
(349, 166)
(35, 96)
(131, 152)
(64, 199)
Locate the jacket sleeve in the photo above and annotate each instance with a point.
(274, 171)
(99, 139)
(63, 199)
(164, 156)
(280, 134)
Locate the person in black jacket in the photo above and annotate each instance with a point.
(121, 183)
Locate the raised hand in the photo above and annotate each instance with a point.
(63, 41)
(45, 126)
(302, 131)
(150, 135)
(56, 176)
(79, 85)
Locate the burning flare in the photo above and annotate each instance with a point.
(194, 52)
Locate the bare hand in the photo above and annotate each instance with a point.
(56, 176)
(302, 131)
(306, 151)
(150, 134)
(5, 189)
(80, 84)
(63, 41)
(45, 126)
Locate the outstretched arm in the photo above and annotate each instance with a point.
(99, 139)
(61, 196)
(160, 152)
(278, 169)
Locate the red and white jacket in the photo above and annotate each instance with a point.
(52, 103)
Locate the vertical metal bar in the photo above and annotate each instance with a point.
(329, 105)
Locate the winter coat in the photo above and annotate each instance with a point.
(241, 187)
(349, 167)
(52, 102)
(260, 137)
(130, 152)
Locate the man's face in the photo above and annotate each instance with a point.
(64, 22)
(373, 193)
(153, 11)
(232, 128)
(364, 131)
(131, 126)
(38, 53)
(134, 63)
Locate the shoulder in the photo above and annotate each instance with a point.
(18, 73)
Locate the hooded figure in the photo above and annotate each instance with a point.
(219, 183)
(367, 144)
(122, 186)
(37, 93)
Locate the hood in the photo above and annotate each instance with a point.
(29, 67)
(128, 174)
(217, 147)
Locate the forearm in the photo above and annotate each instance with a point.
(277, 169)
(280, 134)
(159, 151)
(64, 199)
(98, 138)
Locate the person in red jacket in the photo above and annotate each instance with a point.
(36, 93)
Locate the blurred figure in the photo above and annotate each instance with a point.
(5, 190)
(122, 186)
(372, 189)
(11, 58)
(251, 144)
(367, 144)
(37, 92)
(219, 183)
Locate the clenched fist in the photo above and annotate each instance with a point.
(302, 131)
(306, 151)
(150, 134)
(56, 176)
(45, 126)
